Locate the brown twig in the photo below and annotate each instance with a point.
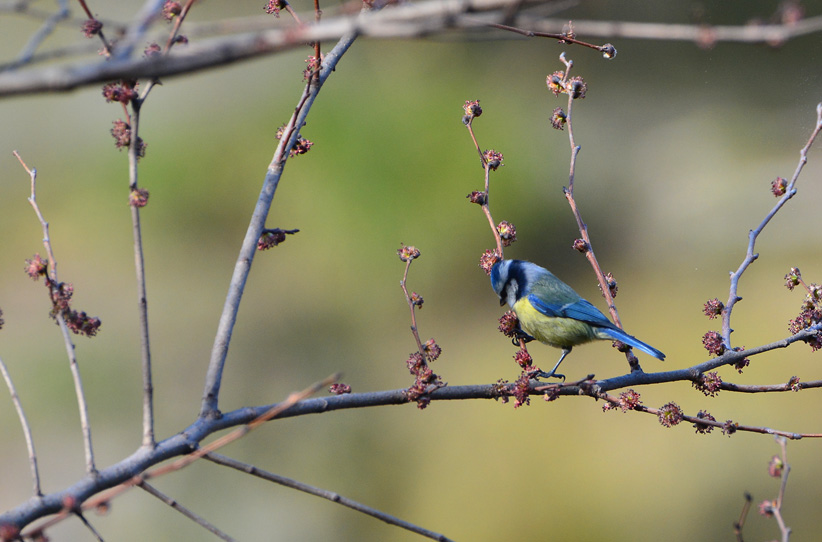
(583, 228)
(412, 308)
(728, 426)
(106, 44)
(607, 49)
(743, 515)
(485, 204)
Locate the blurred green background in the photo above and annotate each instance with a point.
(679, 146)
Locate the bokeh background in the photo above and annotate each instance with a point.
(679, 146)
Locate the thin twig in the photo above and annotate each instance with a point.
(633, 362)
(786, 469)
(89, 526)
(702, 34)
(177, 22)
(35, 473)
(148, 13)
(750, 255)
(317, 51)
(725, 426)
(106, 43)
(743, 515)
(561, 37)
(199, 520)
(172, 39)
(134, 34)
(70, 351)
(140, 276)
(768, 388)
(325, 494)
(412, 308)
(45, 30)
(485, 205)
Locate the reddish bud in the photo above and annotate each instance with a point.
(670, 415)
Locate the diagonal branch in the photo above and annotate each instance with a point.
(255, 228)
(325, 494)
(154, 492)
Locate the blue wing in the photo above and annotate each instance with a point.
(583, 311)
(578, 310)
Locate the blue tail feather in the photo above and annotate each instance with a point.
(620, 335)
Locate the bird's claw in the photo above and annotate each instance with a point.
(552, 374)
(543, 374)
(520, 335)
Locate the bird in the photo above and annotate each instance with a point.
(551, 312)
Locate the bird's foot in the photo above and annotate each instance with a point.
(553, 374)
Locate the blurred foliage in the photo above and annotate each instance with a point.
(679, 146)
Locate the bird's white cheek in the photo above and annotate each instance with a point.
(511, 293)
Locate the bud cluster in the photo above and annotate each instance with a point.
(810, 312)
(60, 294)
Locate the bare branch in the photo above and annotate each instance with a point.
(751, 256)
(140, 275)
(199, 520)
(325, 494)
(132, 470)
(701, 34)
(404, 21)
(44, 32)
(35, 473)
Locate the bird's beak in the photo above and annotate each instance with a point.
(501, 302)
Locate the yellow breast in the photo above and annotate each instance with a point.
(556, 332)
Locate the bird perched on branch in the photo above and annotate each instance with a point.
(551, 312)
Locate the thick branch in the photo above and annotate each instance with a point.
(189, 439)
(396, 22)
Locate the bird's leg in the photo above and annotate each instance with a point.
(553, 373)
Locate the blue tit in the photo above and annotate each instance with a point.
(552, 312)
